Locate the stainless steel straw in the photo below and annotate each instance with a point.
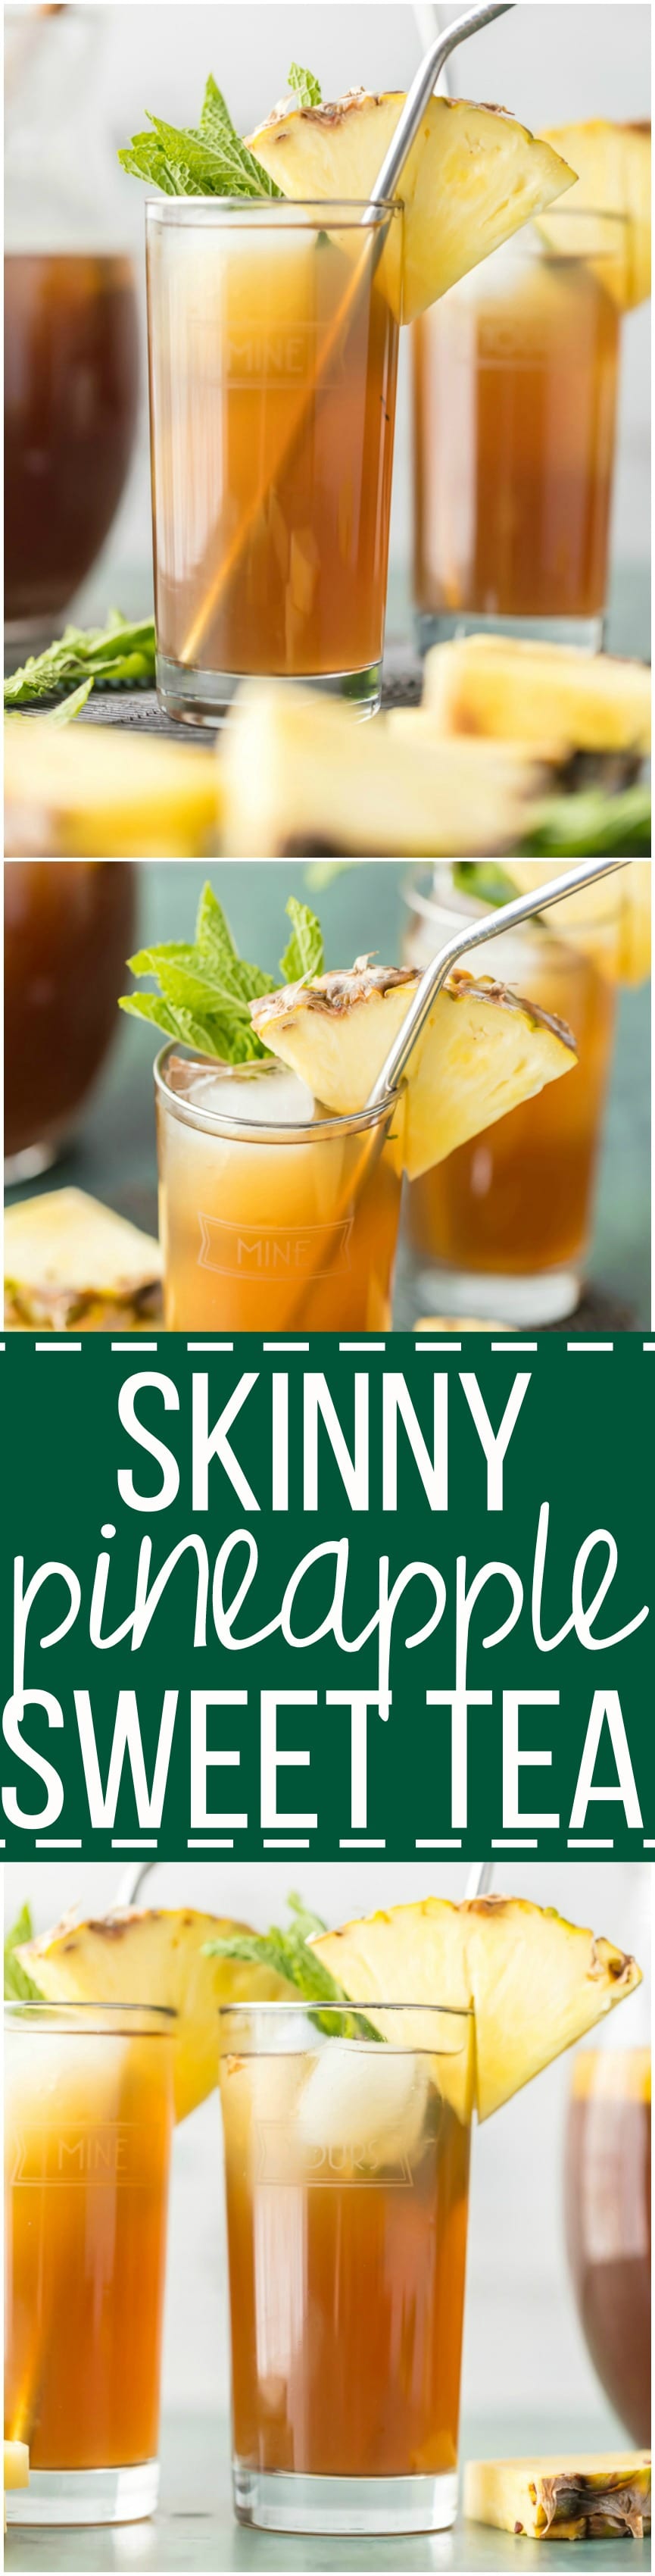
(504, 917)
(421, 91)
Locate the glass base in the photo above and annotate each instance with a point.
(543, 1298)
(29, 1163)
(194, 697)
(86, 2495)
(275, 2501)
(586, 632)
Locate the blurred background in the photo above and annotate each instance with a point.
(583, 63)
(69, 929)
(526, 2365)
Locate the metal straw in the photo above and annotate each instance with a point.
(504, 917)
(421, 91)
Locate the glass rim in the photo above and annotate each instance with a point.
(17, 2007)
(308, 2004)
(416, 899)
(214, 1122)
(318, 212)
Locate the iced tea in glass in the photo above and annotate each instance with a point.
(274, 1215)
(347, 2161)
(88, 2117)
(273, 355)
(501, 1228)
(515, 391)
(608, 2222)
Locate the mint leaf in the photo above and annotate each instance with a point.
(117, 655)
(289, 1956)
(306, 88)
(592, 825)
(204, 989)
(304, 956)
(207, 160)
(483, 879)
(68, 707)
(19, 1988)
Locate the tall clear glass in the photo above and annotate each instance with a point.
(501, 1228)
(88, 2117)
(515, 389)
(347, 2160)
(273, 1214)
(273, 339)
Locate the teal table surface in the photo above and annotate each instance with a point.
(195, 2530)
(361, 907)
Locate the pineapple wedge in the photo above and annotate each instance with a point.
(481, 1051)
(87, 791)
(578, 2497)
(472, 178)
(299, 778)
(71, 1263)
(609, 920)
(143, 1956)
(613, 166)
(536, 1982)
(537, 694)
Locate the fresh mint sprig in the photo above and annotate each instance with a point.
(289, 1956)
(118, 655)
(306, 88)
(205, 160)
(205, 988)
(19, 1988)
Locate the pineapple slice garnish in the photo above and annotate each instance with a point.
(538, 694)
(143, 1956)
(613, 166)
(536, 1982)
(481, 1051)
(299, 775)
(609, 921)
(84, 791)
(472, 178)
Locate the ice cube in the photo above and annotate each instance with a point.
(369, 2099)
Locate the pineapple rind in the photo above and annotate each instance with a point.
(556, 2498)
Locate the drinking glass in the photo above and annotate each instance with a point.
(88, 2115)
(501, 1228)
(273, 355)
(515, 387)
(608, 2223)
(346, 2159)
(71, 333)
(273, 1215)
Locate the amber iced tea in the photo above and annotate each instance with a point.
(515, 388)
(347, 2183)
(87, 2137)
(273, 1215)
(273, 355)
(70, 407)
(511, 1210)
